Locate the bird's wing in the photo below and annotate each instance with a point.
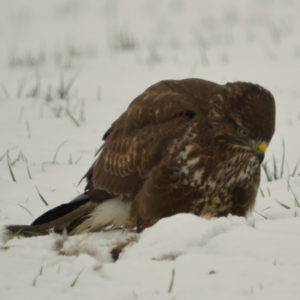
(136, 141)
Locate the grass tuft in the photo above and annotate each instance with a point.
(123, 41)
(56, 98)
(279, 169)
(64, 88)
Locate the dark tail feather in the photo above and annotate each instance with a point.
(65, 222)
(63, 217)
(61, 210)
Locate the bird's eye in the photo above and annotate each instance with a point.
(243, 132)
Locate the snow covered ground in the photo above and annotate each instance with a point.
(68, 68)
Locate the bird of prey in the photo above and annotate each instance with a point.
(182, 146)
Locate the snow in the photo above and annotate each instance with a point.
(116, 49)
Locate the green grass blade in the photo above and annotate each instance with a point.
(260, 214)
(69, 114)
(172, 282)
(3, 155)
(294, 195)
(267, 172)
(56, 152)
(64, 89)
(295, 168)
(10, 168)
(261, 192)
(70, 83)
(61, 90)
(283, 205)
(28, 171)
(282, 159)
(76, 278)
(275, 168)
(26, 209)
(41, 196)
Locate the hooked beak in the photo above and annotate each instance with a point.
(260, 151)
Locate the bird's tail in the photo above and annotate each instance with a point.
(83, 214)
(58, 219)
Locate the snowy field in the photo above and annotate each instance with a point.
(68, 68)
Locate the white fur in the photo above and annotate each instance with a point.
(114, 212)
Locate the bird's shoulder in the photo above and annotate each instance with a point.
(162, 102)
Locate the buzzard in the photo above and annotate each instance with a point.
(190, 146)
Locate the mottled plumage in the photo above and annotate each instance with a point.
(181, 146)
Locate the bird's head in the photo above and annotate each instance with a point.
(247, 112)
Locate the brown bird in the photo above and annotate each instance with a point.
(188, 145)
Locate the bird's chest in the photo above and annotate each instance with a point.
(211, 182)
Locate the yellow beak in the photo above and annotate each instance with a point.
(262, 146)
